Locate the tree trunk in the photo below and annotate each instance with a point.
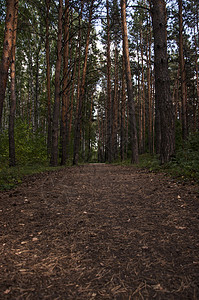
(197, 79)
(36, 114)
(12, 160)
(132, 123)
(6, 55)
(81, 95)
(162, 82)
(65, 97)
(108, 105)
(150, 118)
(115, 108)
(123, 105)
(48, 79)
(183, 75)
(55, 128)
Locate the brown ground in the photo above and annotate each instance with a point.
(99, 232)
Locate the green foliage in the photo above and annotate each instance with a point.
(149, 161)
(184, 166)
(30, 147)
(10, 177)
(187, 158)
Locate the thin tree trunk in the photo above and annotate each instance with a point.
(55, 128)
(31, 92)
(72, 96)
(79, 63)
(89, 130)
(36, 114)
(162, 81)
(49, 138)
(115, 108)
(65, 97)
(142, 102)
(197, 79)
(183, 75)
(123, 105)
(6, 55)
(108, 105)
(81, 95)
(150, 121)
(132, 123)
(12, 159)
(78, 50)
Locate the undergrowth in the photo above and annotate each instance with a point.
(10, 177)
(31, 158)
(185, 164)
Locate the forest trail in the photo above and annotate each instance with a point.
(99, 232)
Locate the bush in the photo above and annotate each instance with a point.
(30, 147)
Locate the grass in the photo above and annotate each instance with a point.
(10, 177)
(182, 167)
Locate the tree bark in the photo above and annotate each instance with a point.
(12, 159)
(49, 137)
(150, 118)
(197, 79)
(108, 104)
(65, 97)
(162, 81)
(183, 74)
(6, 55)
(132, 123)
(55, 128)
(115, 108)
(123, 105)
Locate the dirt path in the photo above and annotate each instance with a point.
(99, 232)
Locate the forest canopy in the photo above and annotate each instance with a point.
(104, 81)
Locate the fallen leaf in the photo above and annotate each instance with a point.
(34, 239)
(180, 227)
(157, 287)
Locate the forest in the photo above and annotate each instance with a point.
(99, 139)
(99, 81)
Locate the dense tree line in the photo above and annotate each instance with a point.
(98, 80)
